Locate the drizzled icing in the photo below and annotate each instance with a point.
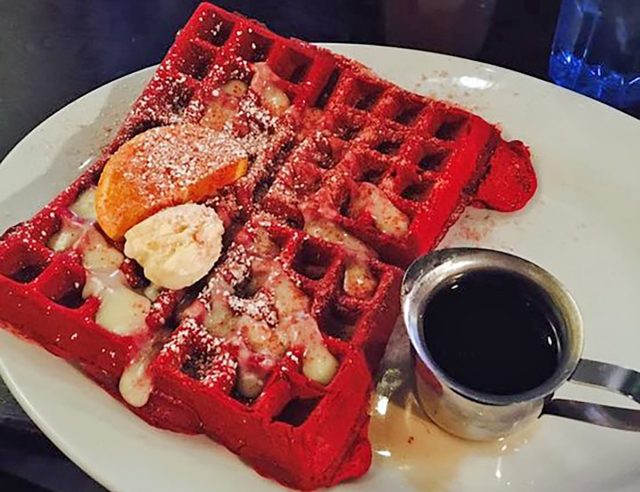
(122, 310)
(253, 305)
(359, 279)
(386, 216)
(136, 384)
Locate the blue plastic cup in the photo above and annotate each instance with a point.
(596, 50)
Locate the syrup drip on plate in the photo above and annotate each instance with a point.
(405, 441)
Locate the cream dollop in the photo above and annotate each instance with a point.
(177, 246)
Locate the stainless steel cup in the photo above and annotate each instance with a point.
(476, 415)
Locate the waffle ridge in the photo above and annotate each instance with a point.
(350, 143)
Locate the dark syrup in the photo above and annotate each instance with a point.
(491, 332)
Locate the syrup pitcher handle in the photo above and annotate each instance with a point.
(606, 376)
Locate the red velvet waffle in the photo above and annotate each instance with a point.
(355, 179)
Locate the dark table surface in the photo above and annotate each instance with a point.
(52, 51)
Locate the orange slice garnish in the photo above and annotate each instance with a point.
(162, 167)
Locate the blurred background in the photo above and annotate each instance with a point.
(53, 51)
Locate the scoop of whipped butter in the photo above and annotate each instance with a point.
(177, 246)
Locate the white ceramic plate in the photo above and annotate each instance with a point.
(582, 225)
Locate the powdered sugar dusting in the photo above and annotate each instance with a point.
(168, 159)
(205, 356)
(261, 307)
(260, 311)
